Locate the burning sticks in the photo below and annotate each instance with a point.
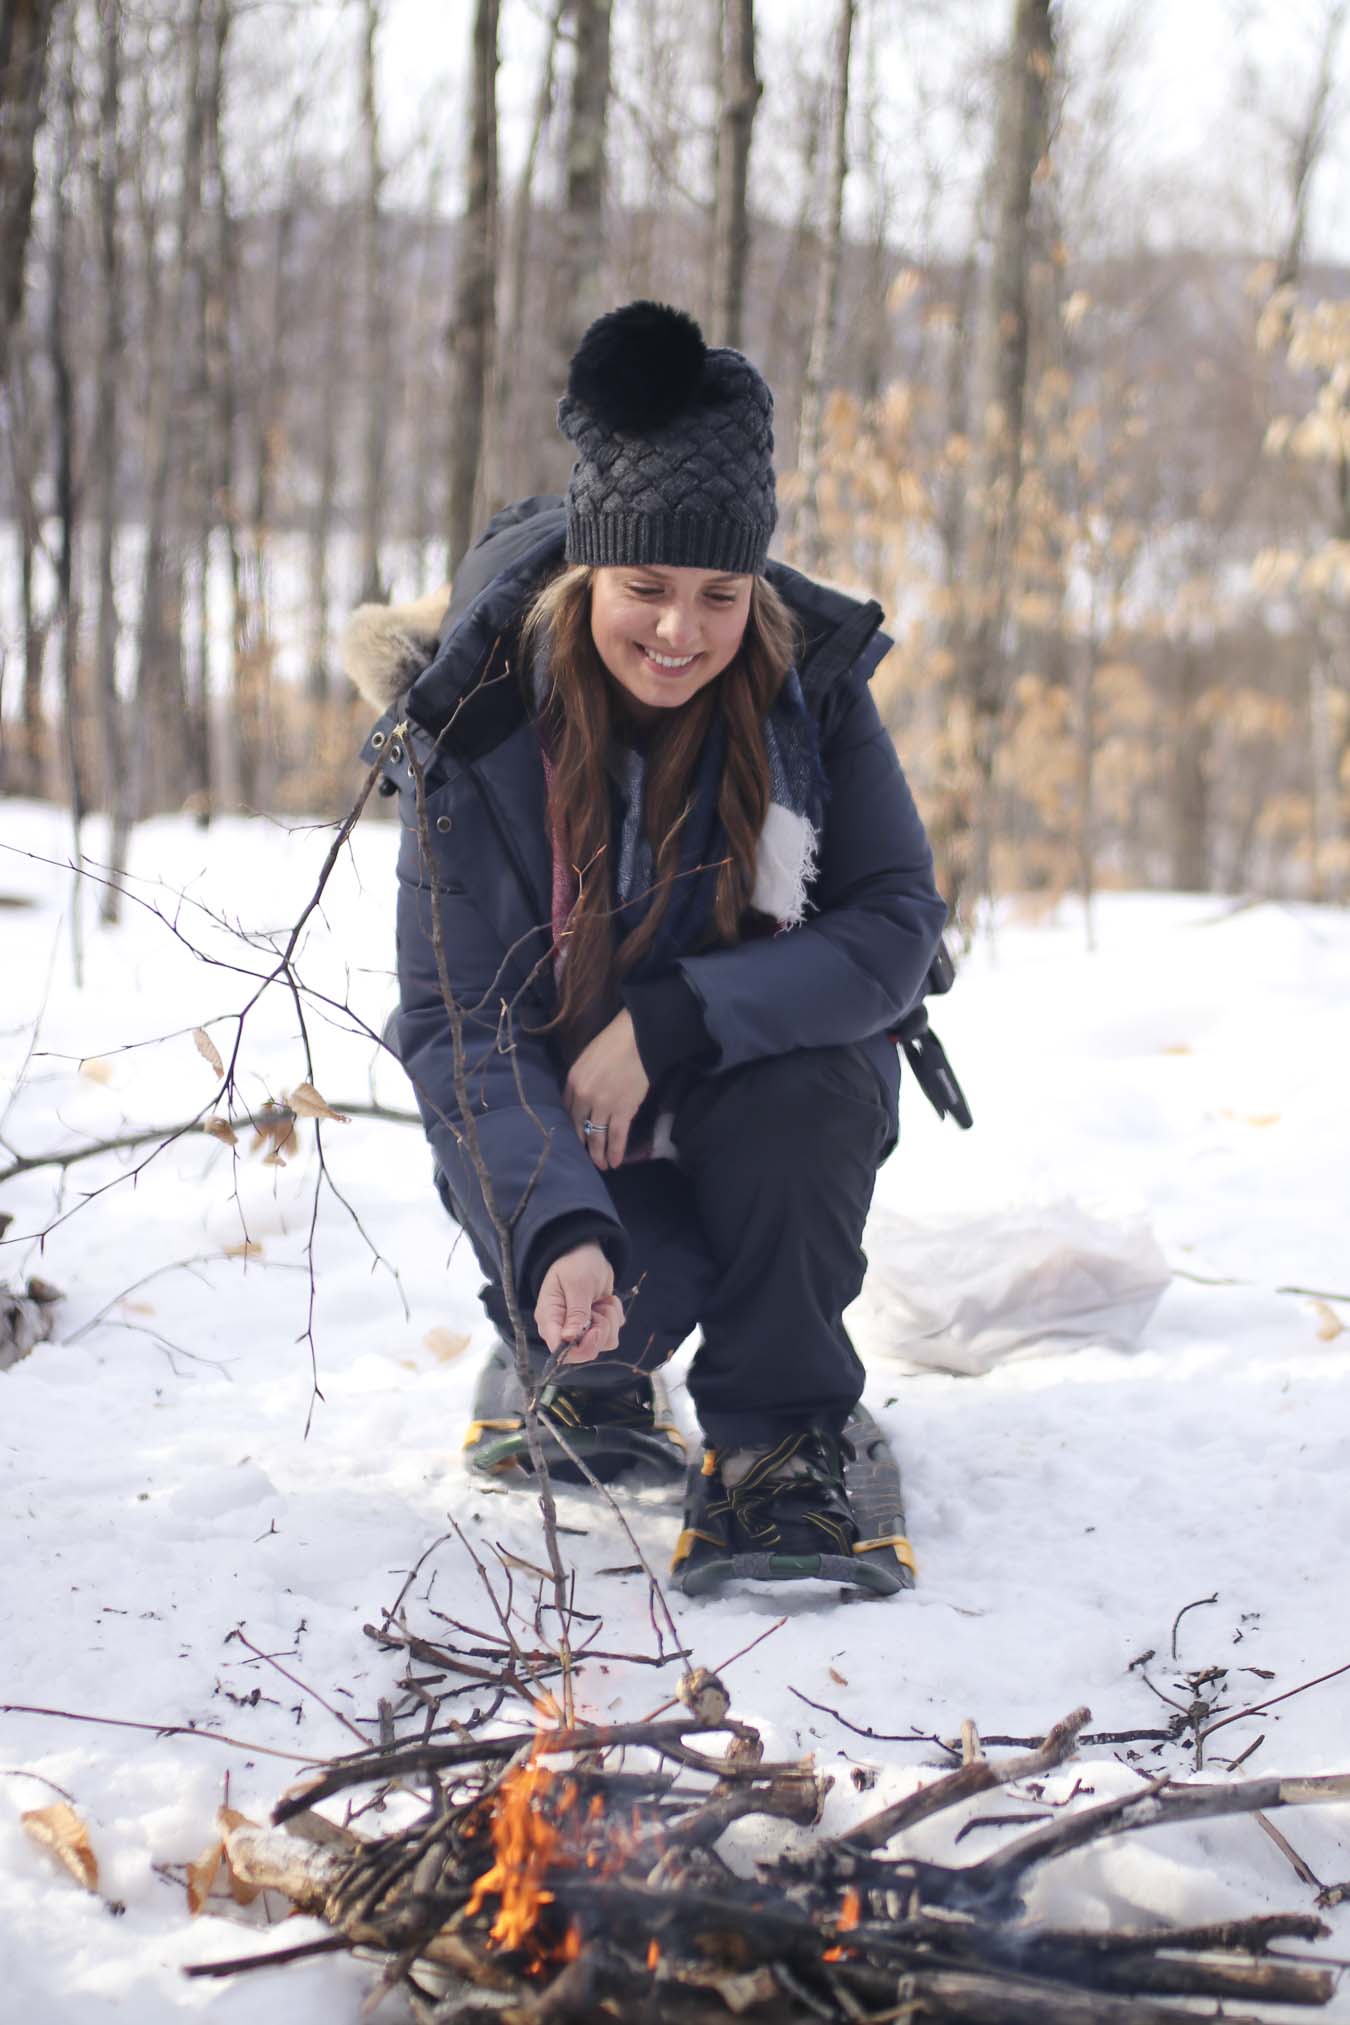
(561, 1876)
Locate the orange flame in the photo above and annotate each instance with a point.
(653, 1953)
(850, 1912)
(524, 1841)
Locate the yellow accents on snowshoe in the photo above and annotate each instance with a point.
(904, 1553)
(684, 1546)
(478, 1428)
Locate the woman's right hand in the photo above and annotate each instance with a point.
(578, 1306)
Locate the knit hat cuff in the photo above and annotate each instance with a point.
(705, 541)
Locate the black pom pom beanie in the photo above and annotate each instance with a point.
(674, 447)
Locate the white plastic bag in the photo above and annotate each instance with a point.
(964, 1293)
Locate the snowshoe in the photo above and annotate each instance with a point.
(810, 1509)
(612, 1428)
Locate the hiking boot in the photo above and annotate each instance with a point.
(814, 1506)
(789, 1499)
(610, 1428)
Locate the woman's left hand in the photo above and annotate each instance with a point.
(605, 1088)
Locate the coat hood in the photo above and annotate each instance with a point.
(384, 648)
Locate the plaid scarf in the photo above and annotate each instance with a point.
(785, 861)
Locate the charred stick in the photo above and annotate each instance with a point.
(365, 1767)
(997, 1876)
(1156, 1975)
(275, 1958)
(796, 1799)
(969, 1999)
(953, 1787)
(1246, 1936)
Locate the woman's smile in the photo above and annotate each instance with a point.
(668, 664)
(671, 606)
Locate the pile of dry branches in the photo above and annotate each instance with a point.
(573, 1873)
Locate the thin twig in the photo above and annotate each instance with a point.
(160, 1730)
(1256, 1708)
(1198, 1604)
(296, 1682)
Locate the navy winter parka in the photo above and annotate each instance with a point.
(478, 891)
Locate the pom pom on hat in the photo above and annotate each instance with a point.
(638, 367)
(674, 445)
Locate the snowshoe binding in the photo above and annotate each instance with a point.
(612, 1428)
(815, 1507)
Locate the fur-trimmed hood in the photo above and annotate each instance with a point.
(384, 648)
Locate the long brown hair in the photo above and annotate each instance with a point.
(576, 725)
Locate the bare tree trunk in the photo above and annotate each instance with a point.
(374, 388)
(321, 528)
(248, 711)
(473, 323)
(26, 768)
(251, 631)
(429, 455)
(873, 317)
(25, 36)
(1000, 392)
(63, 460)
(581, 266)
(827, 300)
(784, 352)
(510, 341)
(741, 93)
(1190, 781)
(163, 751)
(112, 729)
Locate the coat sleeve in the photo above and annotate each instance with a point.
(855, 967)
(539, 1172)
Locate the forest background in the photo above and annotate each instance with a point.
(287, 294)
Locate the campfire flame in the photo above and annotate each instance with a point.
(525, 1842)
(537, 1825)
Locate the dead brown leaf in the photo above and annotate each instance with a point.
(208, 1050)
(221, 1129)
(60, 1829)
(96, 1071)
(306, 1102)
(837, 1678)
(445, 1344)
(1331, 1325)
(228, 1818)
(201, 1877)
(248, 1249)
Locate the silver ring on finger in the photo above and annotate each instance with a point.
(590, 1126)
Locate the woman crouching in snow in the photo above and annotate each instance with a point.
(670, 864)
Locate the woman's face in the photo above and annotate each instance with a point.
(665, 632)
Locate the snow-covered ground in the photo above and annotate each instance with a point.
(159, 1488)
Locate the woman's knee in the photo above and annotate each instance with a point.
(808, 1099)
